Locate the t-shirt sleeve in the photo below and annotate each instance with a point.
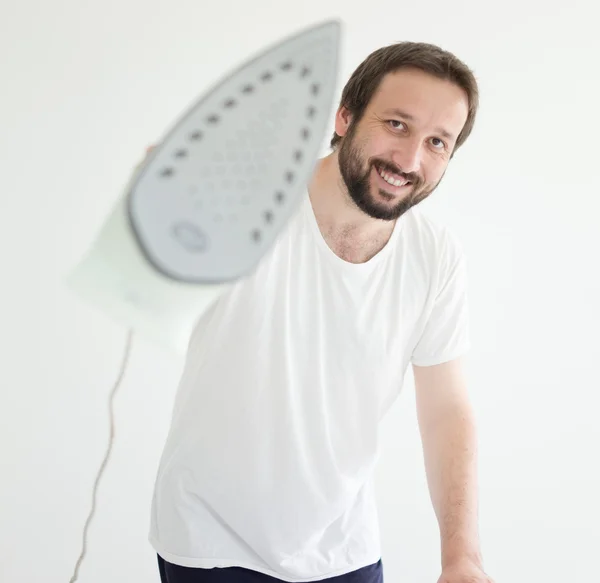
(446, 332)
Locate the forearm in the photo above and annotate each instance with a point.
(450, 455)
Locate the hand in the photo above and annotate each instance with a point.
(464, 571)
(146, 154)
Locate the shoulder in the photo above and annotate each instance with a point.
(434, 239)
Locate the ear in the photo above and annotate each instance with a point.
(343, 119)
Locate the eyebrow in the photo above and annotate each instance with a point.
(409, 117)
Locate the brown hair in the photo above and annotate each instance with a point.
(429, 58)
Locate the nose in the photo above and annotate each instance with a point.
(408, 156)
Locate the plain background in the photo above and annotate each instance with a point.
(87, 85)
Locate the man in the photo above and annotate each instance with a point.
(267, 473)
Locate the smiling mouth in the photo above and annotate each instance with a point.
(392, 179)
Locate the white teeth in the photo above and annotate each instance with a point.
(391, 180)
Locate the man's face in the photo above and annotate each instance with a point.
(398, 152)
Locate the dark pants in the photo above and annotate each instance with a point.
(170, 573)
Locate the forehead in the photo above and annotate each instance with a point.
(424, 99)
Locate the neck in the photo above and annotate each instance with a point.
(349, 232)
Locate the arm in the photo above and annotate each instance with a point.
(448, 434)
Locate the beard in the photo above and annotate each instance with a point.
(356, 173)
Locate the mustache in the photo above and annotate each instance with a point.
(390, 167)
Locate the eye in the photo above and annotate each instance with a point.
(395, 124)
(439, 145)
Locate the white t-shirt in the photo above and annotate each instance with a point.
(269, 461)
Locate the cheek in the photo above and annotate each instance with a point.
(434, 170)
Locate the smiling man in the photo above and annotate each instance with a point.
(267, 474)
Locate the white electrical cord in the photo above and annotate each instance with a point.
(113, 392)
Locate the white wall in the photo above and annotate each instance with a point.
(87, 85)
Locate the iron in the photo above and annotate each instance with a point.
(211, 198)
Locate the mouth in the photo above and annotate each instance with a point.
(398, 183)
